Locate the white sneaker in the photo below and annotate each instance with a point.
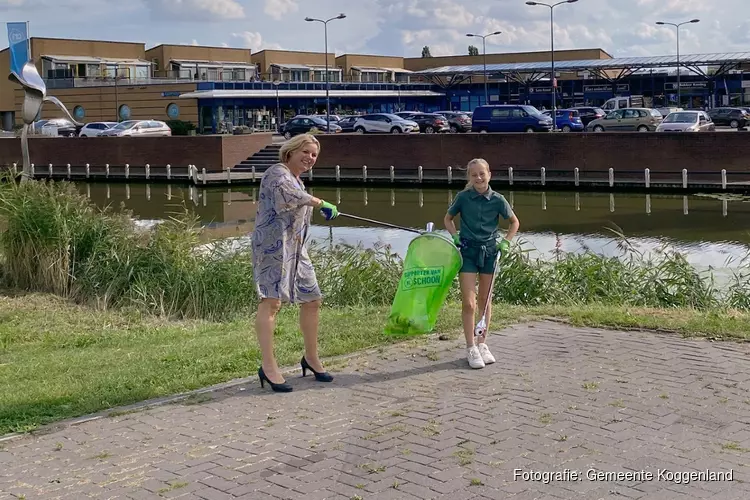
(487, 356)
(474, 357)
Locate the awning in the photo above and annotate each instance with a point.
(95, 60)
(213, 64)
(292, 66)
(271, 93)
(365, 69)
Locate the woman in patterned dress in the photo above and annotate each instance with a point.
(282, 268)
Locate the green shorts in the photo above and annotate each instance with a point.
(477, 259)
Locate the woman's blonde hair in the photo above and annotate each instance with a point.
(295, 144)
(475, 161)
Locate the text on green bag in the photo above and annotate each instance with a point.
(422, 277)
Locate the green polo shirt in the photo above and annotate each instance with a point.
(480, 213)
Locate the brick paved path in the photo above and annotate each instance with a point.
(417, 423)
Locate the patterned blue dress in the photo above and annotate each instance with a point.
(281, 265)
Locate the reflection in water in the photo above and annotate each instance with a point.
(709, 230)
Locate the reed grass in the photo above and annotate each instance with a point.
(56, 241)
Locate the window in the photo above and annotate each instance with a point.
(79, 112)
(500, 113)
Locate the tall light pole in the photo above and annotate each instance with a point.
(328, 100)
(484, 55)
(677, 26)
(553, 79)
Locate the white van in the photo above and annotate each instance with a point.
(634, 101)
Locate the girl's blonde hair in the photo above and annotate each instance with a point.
(295, 144)
(475, 161)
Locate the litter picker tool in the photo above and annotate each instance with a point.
(386, 224)
(481, 329)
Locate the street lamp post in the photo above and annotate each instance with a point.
(553, 79)
(328, 100)
(484, 55)
(677, 27)
(276, 84)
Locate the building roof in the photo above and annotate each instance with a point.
(94, 60)
(380, 69)
(600, 64)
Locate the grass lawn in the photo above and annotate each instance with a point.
(59, 360)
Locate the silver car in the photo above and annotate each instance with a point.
(138, 128)
(384, 123)
(686, 121)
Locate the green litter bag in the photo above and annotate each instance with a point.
(430, 267)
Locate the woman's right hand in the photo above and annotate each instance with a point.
(328, 210)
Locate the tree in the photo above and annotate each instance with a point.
(473, 51)
(426, 51)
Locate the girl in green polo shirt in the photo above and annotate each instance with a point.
(480, 208)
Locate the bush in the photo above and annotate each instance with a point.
(180, 127)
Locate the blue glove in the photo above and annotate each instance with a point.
(328, 210)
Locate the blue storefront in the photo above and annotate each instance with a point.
(261, 105)
(657, 90)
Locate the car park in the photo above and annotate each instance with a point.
(94, 129)
(347, 123)
(568, 120)
(627, 120)
(384, 123)
(509, 118)
(55, 127)
(589, 113)
(686, 121)
(458, 121)
(138, 128)
(429, 123)
(734, 117)
(303, 124)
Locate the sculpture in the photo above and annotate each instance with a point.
(35, 94)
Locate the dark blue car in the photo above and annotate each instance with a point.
(568, 120)
(509, 118)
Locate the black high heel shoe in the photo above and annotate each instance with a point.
(282, 387)
(319, 376)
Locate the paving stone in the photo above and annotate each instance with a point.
(405, 427)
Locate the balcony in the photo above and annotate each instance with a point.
(228, 80)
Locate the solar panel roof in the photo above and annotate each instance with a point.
(614, 63)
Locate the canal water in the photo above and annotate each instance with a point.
(709, 230)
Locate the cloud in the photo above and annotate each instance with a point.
(277, 9)
(195, 10)
(396, 27)
(254, 41)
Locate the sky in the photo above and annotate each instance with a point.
(394, 27)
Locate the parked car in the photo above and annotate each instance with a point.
(589, 113)
(627, 120)
(458, 121)
(429, 123)
(138, 128)
(95, 129)
(303, 124)
(384, 123)
(568, 120)
(509, 118)
(347, 123)
(734, 117)
(686, 121)
(55, 127)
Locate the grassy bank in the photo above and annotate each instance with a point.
(60, 360)
(112, 314)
